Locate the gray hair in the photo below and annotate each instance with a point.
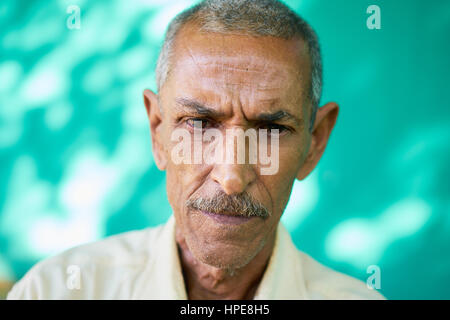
(251, 17)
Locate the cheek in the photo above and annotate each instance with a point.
(291, 157)
(279, 188)
(183, 180)
(294, 152)
(279, 185)
(179, 179)
(185, 168)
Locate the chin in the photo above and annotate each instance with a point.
(223, 256)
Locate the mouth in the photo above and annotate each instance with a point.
(226, 218)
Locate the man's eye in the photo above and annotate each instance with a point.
(198, 123)
(273, 126)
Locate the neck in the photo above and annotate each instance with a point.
(204, 282)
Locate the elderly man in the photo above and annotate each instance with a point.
(226, 66)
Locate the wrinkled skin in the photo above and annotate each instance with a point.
(239, 77)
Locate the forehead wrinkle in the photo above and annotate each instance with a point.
(245, 86)
(221, 77)
(203, 47)
(195, 61)
(242, 67)
(220, 64)
(213, 64)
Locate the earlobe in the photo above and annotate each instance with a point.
(155, 119)
(323, 125)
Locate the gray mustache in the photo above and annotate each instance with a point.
(242, 203)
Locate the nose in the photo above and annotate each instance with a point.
(233, 178)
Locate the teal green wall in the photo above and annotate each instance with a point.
(76, 163)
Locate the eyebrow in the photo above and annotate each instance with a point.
(277, 116)
(203, 110)
(198, 107)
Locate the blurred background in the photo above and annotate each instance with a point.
(75, 154)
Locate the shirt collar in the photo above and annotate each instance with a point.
(282, 278)
(164, 271)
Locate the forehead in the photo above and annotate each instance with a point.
(249, 68)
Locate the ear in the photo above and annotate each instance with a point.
(154, 116)
(323, 125)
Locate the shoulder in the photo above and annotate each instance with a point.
(90, 270)
(322, 282)
(293, 274)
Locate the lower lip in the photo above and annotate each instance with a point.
(226, 219)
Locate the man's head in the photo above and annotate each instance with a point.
(230, 65)
(255, 18)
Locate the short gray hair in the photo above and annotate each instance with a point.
(252, 17)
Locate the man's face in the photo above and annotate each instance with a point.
(230, 82)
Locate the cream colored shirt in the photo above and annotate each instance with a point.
(144, 264)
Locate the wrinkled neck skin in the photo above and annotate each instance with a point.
(205, 282)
